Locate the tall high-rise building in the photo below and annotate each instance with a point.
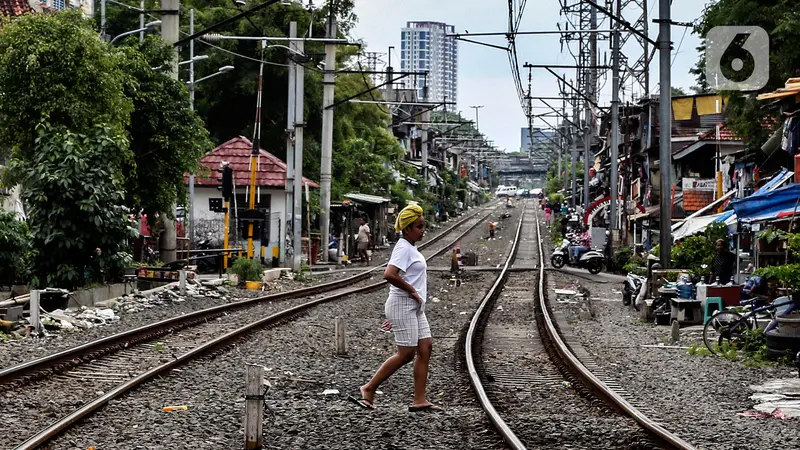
(424, 46)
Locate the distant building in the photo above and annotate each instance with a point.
(542, 139)
(15, 8)
(424, 46)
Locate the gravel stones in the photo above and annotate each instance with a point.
(695, 397)
(301, 365)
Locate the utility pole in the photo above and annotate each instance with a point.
(665, 132)
(329, 83)
(426, 117)
(290, 120)
(591, 92)
(191, 107)
(141, 24)
(614, 124)
(170, 28)
(564, 144)
(103, 20)
(299, 123)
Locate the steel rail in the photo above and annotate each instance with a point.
(502, 427)
(591, 381)
(72, 354)
(45, 435)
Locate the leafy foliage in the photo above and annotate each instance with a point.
(75, 197)
(247, 269)
(788, 274)
(55, 68)
(167, 137)
(14, 248)
(622, 256)
(693, 253)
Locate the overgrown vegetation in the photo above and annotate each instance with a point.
(555, 230)
(247, 269)
(14, 248)
(752, 351)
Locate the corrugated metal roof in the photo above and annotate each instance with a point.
(366, 198)
(271, 170)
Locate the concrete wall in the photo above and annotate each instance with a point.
(90, 297)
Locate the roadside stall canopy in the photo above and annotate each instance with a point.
(694, 225)
(776, 204)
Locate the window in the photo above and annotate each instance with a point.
(58, 4)
(422, 54)
(422, 44)
(403, 44)
(422, 64)
(402, 54)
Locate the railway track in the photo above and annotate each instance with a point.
(534, 389)
(102, 370)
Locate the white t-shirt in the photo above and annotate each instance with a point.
(363, 233)
(413, 269)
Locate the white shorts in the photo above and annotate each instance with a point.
(408, 320)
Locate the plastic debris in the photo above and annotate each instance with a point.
(330, 392)
(175, 408)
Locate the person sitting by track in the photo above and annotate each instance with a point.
(584, 244)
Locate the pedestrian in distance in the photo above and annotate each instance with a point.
(547, 216)
(363, 239)
(405, 311)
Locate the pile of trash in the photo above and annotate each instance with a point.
(109, 311)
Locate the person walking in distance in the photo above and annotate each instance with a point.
(405, 310)
(363, 240)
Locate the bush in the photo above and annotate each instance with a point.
(247, 269)
(555, 199)
(622, 256)
(635, 269)
(693, 253)
(555, 230)
(14, 248)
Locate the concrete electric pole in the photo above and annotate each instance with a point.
(665, 132)
(170, 27)
(299, 123)
(329, 83)
(614, 122)
(290, 138)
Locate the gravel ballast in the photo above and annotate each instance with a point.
(16, 351)
(696, 397)
(301, 364)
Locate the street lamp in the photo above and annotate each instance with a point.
(476, 108)
(146, 27)
(220, 71)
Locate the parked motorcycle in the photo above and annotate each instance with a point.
(592, 260)
(633, 290)
(206, 262)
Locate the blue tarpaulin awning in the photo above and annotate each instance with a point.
(760, 206)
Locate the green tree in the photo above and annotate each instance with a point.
(75, 199)
(14, 247)
(55, 68)
(167, 138)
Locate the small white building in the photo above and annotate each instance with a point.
(270, 196)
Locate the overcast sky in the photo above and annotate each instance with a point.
(484, 75)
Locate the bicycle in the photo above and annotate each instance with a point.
(732, 327)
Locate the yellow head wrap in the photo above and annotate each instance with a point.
(407, 216)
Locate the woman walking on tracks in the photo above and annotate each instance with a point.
(405, 309)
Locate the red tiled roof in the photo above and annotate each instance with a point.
(14, 8)
(696, 200)
(724, 134)
(271, 170)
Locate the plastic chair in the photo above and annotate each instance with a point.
(715, 302)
